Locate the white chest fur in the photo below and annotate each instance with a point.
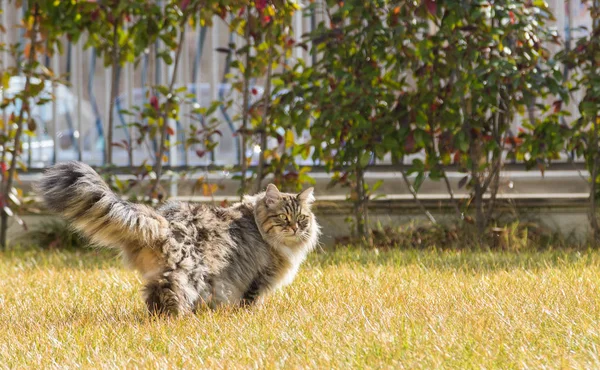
(292, 261)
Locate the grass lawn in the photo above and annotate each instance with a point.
(350, 308)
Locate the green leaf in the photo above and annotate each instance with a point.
(377, 185)
(390, 143)
(5, 79)
(419, 181)
(461, 141)
(289, 139)
(588, 109)
(277, 82)
(365, 158)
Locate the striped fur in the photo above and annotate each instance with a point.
(190, 255)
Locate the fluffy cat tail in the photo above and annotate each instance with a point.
(76, 192)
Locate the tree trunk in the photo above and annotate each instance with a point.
(361, 210)
(478, 189)
(593, 189)
(114, 90)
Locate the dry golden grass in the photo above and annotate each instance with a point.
(352, 308)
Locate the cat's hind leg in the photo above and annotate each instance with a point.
(169, 294)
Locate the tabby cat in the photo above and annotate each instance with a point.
(190, 255)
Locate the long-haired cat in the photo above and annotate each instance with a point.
(190, 255)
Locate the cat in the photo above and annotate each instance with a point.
(190, 255)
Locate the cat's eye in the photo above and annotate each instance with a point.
(283, 216)
(301, 217)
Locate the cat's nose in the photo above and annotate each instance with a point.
(294, 227)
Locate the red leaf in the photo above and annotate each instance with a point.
(3, 166)
(456, 158)
(409, 143)
(154, 102)
(170, 131)
(95, 14)
(254, 91)
(222, 12)
(184, 4)
(431, 6)
(511, 14)
(557, 106)
(260, 5)
(514, 141)
(200, 153)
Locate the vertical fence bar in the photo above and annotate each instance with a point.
(197, 76)
(20, 16)
(97, 116)
(313, 25)
(78, 81)
(197, 70)
(298, 30)
(214, 67)
(172, 74)
(107, 87)
(214, 60)
(54, 124)
(129, 75)
(144, 81)
(183, 78)
(238, 40)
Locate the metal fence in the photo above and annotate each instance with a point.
(74, 125)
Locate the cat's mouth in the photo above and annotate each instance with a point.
(295, 236)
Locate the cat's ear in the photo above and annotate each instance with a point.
(272, 195)
(307, 195)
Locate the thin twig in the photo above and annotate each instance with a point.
(265, 117)
(245, 113)
(412, 190)
(451, 193)
(163, 134)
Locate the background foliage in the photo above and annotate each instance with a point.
(388, 79)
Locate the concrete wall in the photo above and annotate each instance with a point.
(558, 200)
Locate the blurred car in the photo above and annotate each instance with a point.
(38, 150)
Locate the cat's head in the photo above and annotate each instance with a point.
(287, 218)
